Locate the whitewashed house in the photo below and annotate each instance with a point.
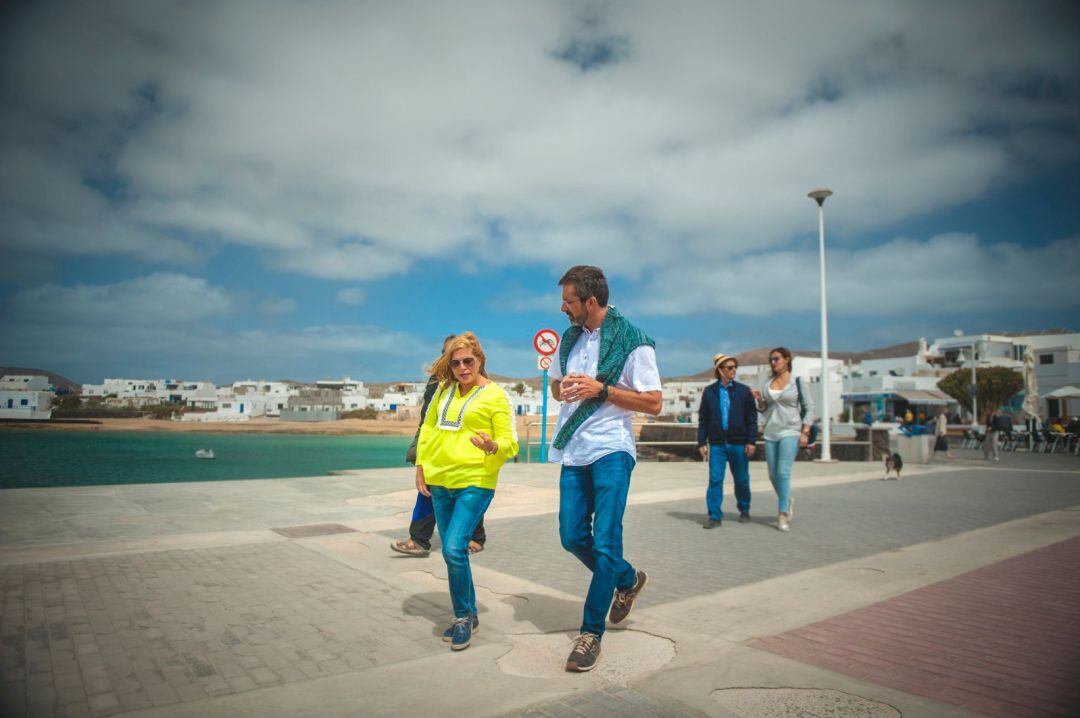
(530, 402)
(275, 394)
(25, 396)
(146, 392)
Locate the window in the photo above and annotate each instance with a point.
(1046, 358)
(24, 402)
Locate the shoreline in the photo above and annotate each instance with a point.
(341, 427)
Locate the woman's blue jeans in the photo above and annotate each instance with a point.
(720, 455)
(779, 456)
(457, 511)
(592, 500)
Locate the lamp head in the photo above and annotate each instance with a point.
(819, 195)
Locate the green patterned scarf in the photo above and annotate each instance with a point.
(618, 337)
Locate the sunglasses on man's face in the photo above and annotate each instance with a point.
(467, 361)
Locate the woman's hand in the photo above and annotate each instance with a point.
(484, 442)
(804, 439)
(421, 485)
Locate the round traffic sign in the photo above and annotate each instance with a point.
(546, 341)
(543, 363)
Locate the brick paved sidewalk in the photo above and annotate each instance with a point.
(1003, 640)
(101, 636)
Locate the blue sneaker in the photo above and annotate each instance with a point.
(461, 633)
(448, 634)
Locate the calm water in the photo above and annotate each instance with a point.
(35, 458)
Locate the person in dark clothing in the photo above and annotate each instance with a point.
(422, 526)
(727, 434)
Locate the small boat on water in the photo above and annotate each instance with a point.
(204, 454)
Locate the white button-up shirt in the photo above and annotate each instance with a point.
(609, 429)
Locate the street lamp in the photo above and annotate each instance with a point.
(819, 196)
(974, 381)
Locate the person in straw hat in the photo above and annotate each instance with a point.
(727, 434)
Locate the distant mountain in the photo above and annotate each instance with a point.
(60, 382)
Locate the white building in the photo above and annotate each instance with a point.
(1057, 359)
(143, 392)
(274, 394)
(25, 396)
(530, 401)
(683, 398)
(885, 383)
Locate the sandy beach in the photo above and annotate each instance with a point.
(386, 427)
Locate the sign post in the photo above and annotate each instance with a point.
(546, 342)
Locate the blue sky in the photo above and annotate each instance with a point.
(258, 190)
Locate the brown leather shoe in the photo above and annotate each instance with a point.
(624, 600)
(585, 653)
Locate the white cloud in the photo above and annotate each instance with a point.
(351, 141)
(164, 298)
(352, 296)
(170, 324)
(950, 273)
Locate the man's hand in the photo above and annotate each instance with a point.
(750, 449)
(704, 451)
(421, 485)
(578, 387)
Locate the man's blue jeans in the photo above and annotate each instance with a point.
(779, 456)
(592, 500)
(457, 511)
(720, 455)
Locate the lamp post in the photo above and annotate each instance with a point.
(819, 196)
(974, 382)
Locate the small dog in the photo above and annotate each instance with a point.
(893, 462)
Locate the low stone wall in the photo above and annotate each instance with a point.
(858, 450)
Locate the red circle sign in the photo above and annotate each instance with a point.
(546, 341)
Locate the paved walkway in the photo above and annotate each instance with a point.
(257, 598)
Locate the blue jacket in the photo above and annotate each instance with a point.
(742, 416)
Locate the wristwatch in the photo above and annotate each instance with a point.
(602, 396)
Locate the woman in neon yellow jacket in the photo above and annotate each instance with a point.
(468, 434)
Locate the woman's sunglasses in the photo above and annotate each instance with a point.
(467, 361)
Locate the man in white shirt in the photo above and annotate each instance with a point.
(606, 372)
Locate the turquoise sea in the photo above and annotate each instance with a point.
(37, 458)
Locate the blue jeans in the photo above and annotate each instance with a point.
(457, 512)
(720, 455)
(780, 455)
(592, 500)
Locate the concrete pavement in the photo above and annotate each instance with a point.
(281, 597)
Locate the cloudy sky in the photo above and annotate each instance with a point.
(224, 190)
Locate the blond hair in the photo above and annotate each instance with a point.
(466, 340)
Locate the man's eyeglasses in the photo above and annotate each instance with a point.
(568, 302)
(729, 367)
(773, 360)
(467, 361)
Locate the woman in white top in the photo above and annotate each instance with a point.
(941, 430)
(788, 419)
